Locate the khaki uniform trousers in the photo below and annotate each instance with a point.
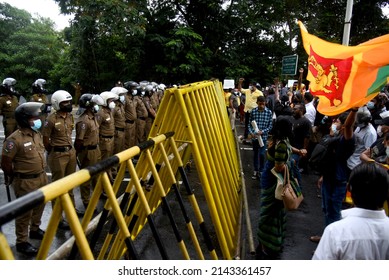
(88, 158)
(148, 125)
(140, 130)
(118, 146)
(106, 150)
(130, 135)
(62, 164)
(30, 219)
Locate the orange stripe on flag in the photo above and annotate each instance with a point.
(342, 76)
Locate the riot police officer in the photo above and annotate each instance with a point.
(151, 109)
(130, 114)
(86, 143)
(120, 122)
(39, 95)
(57, 138)
(107, 125)
(8, 103)
(142, 113)
(23, 162)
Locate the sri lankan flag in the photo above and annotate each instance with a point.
(345, 76)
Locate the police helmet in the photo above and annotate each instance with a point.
(8, 86)
(140, 91)
(38, 86)
(27, 110)
(108, 95)
(58, 97)
(131, 85)
(88, 100)
(119, 90)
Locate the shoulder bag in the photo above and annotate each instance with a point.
(291, 195)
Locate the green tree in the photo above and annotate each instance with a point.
(30, 51)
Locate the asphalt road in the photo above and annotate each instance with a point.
(301, 224)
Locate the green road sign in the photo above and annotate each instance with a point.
(289, 64)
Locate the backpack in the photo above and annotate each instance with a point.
(323, 154)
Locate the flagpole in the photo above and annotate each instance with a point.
(347, 22)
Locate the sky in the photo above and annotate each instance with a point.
(45, 8)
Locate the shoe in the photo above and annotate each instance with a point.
(255, 175)
(37, 234)
(63, 225)
(26, 248)
(315, 238)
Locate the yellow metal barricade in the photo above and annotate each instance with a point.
(191, 125)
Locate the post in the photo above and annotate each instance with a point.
(347, 23)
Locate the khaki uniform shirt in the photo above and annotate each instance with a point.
(87, 129)
(59, 129)
(8, 104)
(106, 122)
(25, 148)
(42, 98)
(141, 110)
(154, 101)
(118, 115)
(130, 108)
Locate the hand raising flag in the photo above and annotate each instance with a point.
(344, 77)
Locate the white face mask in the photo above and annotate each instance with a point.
(134, 92)
(111, 105)
(122, 99)
(387, 151)
(334, 129)
(96, 108)
(379, 130)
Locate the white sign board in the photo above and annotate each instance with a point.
(227, 84)
(291, 82)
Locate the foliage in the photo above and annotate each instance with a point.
(170, 41)
(30, 51)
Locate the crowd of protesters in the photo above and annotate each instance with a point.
(360, 136)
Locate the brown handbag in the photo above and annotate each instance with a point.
(289, 197)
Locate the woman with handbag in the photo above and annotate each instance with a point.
(271, 228)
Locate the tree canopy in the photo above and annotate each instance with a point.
(172, 42)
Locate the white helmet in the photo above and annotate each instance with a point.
(108, 95)
(119, 90)
(161, 86)
(58, 97)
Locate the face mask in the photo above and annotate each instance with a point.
(379, 130)
(370, 105)
(250, 87)
(111, 105)
(37, 125)
(134, 92)
(122, 99)
(66, 108)
(387, 151)
(96, 108)
(334, 129)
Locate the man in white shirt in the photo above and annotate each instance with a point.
(363, 231)
(309, 107)
(365, 136)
